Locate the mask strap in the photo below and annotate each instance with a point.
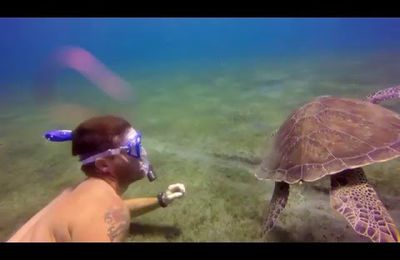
(103, 154)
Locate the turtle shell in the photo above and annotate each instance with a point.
(329, 135)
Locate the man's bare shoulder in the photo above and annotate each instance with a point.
(94, 197)
(95, 189)
(108, 220)
(102, 208)
(117, 222)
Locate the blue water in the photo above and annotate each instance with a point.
(148, 43)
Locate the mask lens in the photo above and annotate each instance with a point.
(135, 146)
(135, 149)
(138, 145)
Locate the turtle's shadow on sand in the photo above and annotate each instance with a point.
(151, 229)
(278, 234)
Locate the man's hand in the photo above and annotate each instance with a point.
(173, 192)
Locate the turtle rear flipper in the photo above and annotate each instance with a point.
(276, 205)
(358, 202)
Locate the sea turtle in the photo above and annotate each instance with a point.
(332, 136)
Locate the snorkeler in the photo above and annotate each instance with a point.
(112, 158)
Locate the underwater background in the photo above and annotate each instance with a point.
(207, 95)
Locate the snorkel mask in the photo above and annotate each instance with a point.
(132, 147)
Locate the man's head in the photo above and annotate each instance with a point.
(99, 134)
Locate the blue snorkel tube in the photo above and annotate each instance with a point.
(58, 135)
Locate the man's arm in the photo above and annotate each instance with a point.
(141, 206)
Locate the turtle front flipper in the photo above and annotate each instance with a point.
(276, 205)
(358, 202)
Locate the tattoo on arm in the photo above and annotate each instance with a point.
(116, 223)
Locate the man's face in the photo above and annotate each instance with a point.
(125, 167)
